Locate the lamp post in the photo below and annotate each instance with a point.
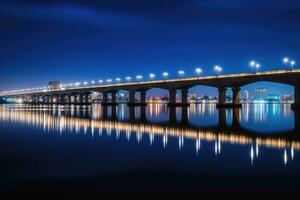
(165, 75)
(152, 76)
(181, 73)
(198, 71)
(139, 78)
(218, 69)
(128, 78)
(255, 65)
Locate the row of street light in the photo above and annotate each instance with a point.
(181, 73)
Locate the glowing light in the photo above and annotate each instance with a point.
(128, 78)
(198, 71)
(139, 77)
(93, 82)
(109, 80)
(77, 84)
(152, 76)
(218, 69)
(100, 81)
(252, 63)
(286, 60)
(165, 75)
(181, 73)
(85, 83)
(118, 79)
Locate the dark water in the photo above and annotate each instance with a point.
(150, 152)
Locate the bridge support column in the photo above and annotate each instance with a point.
(222, 97)
(113, 99)
(131, 98)
(222, 118)
(296, 104)
(143, 98)
(172, 98)
(236, 118)
(184, 97)
(236, 97)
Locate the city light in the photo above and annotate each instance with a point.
(218, 69)
(139, 77)
(100, 81)
(165, 75)
(128, 78)
(288, 62)
(253, 64)
(181, 73)
(198, 71)
(152, 76)
(293, 63)
(93, 82)
(85, 83)
(118, 80)
(109, 80)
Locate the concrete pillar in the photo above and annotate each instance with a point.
(296, 104)
(236, 118)
(132, 113)
(222, 96)
(104, 98)
(62, 99)
(87, 98)
(143, 113)
(172, 97)
(104, 112)
(236, 96)
(297, 121)
(113, 112)
(172, 115)
(184, 97)
(222, 118)
(113, 97)
(131, 98)
(184, 114)
(143, 97)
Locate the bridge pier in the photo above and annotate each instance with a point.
(84, 98)
(132, 99)
(222, 118)
(296, 104)
(222, 97)
(113, 99)
(236, 118)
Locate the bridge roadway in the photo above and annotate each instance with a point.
(82, 95)
(235, 133)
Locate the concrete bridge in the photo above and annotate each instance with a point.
(81, 95)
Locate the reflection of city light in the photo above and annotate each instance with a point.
(285, 158)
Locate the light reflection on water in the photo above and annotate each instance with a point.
(254, 126)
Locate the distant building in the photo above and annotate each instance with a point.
(245, 96)
(273, 98)
(260, 94)
(287, 98)
(53, 85)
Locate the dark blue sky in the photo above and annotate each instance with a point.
(90, 40)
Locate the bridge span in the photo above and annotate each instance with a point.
(82, 95)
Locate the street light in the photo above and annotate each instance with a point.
(181, 73)
(165, 75)
(118, 80)
(93, 82)
(85, 83)
(218, 69)
(139, 77)
(109, 80)
(128, 78)
(293, 63)
(152, 76)
(100, 81)
(198, 71)
(255, 65)
(286, 60)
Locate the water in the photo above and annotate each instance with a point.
(198, 151)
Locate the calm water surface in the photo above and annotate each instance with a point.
(155, 150)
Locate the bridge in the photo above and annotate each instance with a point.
(82, 95)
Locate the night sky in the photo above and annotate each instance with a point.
(89, 40)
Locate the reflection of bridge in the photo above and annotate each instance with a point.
(81, 95)
(76, 120)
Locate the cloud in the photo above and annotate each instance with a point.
(76, 14)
